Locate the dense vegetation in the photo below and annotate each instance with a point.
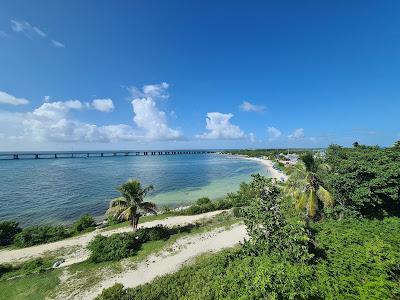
(11, 233)
(121, 245)
(351, 251)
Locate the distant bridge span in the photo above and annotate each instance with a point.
(88, 154)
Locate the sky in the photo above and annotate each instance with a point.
(145, 74)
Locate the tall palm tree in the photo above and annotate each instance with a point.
(131, 203)
(306, 188)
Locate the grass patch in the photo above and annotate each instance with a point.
(33, 287)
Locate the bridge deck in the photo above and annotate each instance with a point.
(88, 154)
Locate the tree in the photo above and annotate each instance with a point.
(306, 187)
(128, 206)
(396, 144)
(273, 229)
(356, 144)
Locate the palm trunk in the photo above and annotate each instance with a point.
(134, 222)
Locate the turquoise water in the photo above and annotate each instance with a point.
(51, 191)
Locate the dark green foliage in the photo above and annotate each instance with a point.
(5, 268)
(40, 234)
(116, 292)
(365, 179)
(358, 259)
(271, 228)
(203, 201)
(84, 223)
(8, 229)
(114, 247)
(121, 245)
(153, 233)
(361, 258)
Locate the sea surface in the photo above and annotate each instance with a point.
(58, 191)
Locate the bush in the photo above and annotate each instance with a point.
(84, 223)
(153, 233)
(39, 235)
(5, 268)
(114, 247)
(116, 292)
(237, 212)
(8, 230)
(202, 201)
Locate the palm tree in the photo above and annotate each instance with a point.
(396, 144)
(129, 205)
(306, 188)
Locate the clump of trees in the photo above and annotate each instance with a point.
(12, 234)
(364, 180)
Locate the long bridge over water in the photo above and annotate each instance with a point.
(88, 154)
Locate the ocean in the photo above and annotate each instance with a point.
(58, 191)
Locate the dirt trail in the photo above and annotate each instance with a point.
(77, 244)
(168, 261)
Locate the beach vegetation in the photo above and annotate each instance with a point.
(86, 222)
(8, 230)
(35, 235)
(131, 204)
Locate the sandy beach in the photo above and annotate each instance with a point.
(268, 164)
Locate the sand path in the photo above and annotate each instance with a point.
(77, 244)
(170, 260)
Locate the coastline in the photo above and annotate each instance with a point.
(267, 163)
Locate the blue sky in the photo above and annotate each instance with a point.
(198, 74)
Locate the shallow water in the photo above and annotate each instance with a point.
(61, 190)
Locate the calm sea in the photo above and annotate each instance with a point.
(52, 191)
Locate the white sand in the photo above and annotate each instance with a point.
(183, 250)
(80, 242)
(269, 165)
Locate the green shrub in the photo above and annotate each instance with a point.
(8, 230)
(222, 204)
(84, 223)
(202, 201)
(114, 247)
(116, 292)
(40, 234)
(237, 212)
(153, 233)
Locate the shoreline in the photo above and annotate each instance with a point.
(267, 163)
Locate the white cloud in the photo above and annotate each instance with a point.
(155, 91)
(27, 29)
(252, 137)
(219, 127)
(273, 133)
(103, 105)
(297, 134)
(6, 98)
(57, 44)
(54, 122)
(152, 121)
(247, 106)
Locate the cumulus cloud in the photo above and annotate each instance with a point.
(219, 127)
(247, 106)
(103, 105)
(27, 29)
(54, 121)
(152, 121)
(6, 98)
(57, 44)
(273, 133)
(297, 134)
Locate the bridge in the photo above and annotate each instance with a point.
(88, 154)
